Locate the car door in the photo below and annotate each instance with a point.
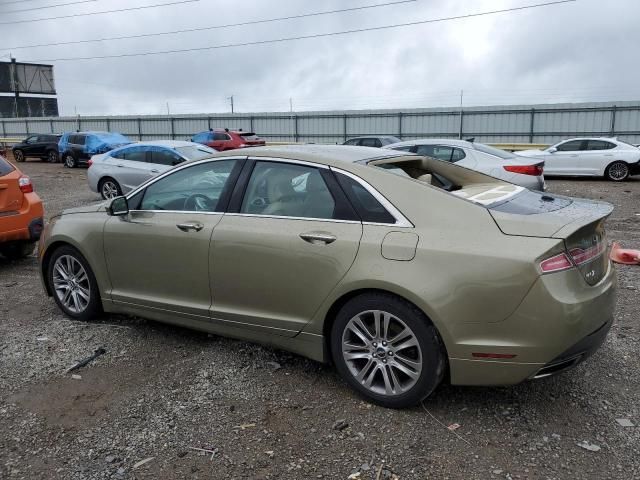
(131, 167)
(157, 255)
(282, 247)
(596, 157)
(77, 144)
(162, 159)
(30, 146)
(566, 159)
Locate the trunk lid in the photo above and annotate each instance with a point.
(578, 222)
(11, 197)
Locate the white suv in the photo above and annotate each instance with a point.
(591, 157)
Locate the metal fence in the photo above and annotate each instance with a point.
(504, 124)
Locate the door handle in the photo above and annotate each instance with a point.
(318, 238)
(190, 226)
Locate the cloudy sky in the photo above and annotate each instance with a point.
(585, 50)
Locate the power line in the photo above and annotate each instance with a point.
(200, 29)
(305, 37)
(49, 6)
(13, 22)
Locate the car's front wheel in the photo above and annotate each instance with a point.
(617, 171)
(73, 284)
(18, 155)
(70, 161)
(387, 350)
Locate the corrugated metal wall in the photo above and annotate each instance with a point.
(504, 124)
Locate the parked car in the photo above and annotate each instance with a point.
(21, 212)
(121, 170)
(42, 145)
(592, 157)
(323, 251)
(223, 139)
(483, 158)
(76, 148)
(372, 141)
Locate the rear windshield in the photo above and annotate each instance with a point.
(5, 167)
(193, 152)
(529, 202)
(250, 136)
(496, 152)
(390, 140)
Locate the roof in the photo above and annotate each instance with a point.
(433, 141)
(332, 155)
(372, 136)
(168, 143)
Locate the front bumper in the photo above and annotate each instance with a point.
(560, 323)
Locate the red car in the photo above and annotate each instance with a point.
(224, 139)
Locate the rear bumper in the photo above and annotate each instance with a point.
(25, 224)
(559, 324)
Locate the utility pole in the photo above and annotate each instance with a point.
(461, 97)
(231, 100)
(14, 85)
(168, 111)
(290, 104)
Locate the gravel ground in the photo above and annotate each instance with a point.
(160, 393)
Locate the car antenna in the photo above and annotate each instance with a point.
(226, 129)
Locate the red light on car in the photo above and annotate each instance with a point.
(535, 170)
(25, 185)
(493, 355)
(581, 255)
(557, 263)
(89, 162)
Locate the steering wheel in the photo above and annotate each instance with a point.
(198, 202)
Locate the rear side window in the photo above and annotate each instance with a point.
(77, 139)
(201, 137)
(441, 152)
(165, 157)
(5, 167)
(367, 206)
(371, 142)
(221, 136)
(353, 141)
(599, 145)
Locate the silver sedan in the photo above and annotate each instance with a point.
(121, 170)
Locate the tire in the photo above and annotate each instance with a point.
(371, 355)
(18, 155)
(17, 250)
(617, 171)
(109, 188)
(70, 161)
(70, 293)
(53, 156)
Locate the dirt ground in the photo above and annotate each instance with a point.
(160, 393)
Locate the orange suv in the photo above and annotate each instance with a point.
(21, 212)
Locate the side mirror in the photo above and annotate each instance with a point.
(118, 207)
(552, 150)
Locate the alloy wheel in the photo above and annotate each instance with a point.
(618, 171)
(19, 156)
(382, 352)
(69, 161)
(109, 190)
(71, 283)
(52, 157)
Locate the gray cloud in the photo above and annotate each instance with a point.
(581, 51)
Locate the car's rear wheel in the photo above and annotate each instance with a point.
(109, 188)
(18, 155)
(387, 350)
(52, 156)
(73, 284)
(17, 250)
(70, 161)
(617, 171)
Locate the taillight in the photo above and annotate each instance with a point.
(581, 255)
(557, 263)
(535, 170)
(89, 162)
(25, 185)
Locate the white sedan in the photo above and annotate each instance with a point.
(498, 163)
(591, 157)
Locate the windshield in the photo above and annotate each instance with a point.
(5, 167)
(496, 152)
(195, 152)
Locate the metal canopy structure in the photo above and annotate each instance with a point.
(22, 80)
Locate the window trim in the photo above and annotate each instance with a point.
(401, 220)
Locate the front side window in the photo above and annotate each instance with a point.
(135, 154)
(571, 146)
(193, 189)
(288, 190)
(201, 137)
(31, 140)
